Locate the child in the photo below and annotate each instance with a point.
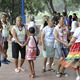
(31, 50)
(73, 59)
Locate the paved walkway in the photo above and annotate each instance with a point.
(7, 71)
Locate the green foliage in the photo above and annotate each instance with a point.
(34, 6)
(13, 7)
(75, 3)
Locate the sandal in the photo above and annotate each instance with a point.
(51, 70)
(31, 76)
(17, 70)
(43, 70)
(22, 69)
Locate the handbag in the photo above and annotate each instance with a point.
(38, 52)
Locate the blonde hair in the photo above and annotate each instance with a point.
(18, 17)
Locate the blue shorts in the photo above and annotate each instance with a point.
(62, 52)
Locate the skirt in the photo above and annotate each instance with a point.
(72, 61)
(31, 53)
(50, 51)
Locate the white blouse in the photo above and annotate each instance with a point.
(77, 35)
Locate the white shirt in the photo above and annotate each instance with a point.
(73, 27)
(64, 34)
(59, 32)
(49, 34)
(77, 35)
(31, 24)
(20, 34)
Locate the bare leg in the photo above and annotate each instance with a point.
(77, 72)
(59, 64)
(62, 71)
(45, 60)
(30, 66)
(22, 61)
(16, 63)
(50, 62)
(33, 66)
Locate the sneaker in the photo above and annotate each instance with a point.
(7, 61)
(78, 78)
(65, 74)
(58, 75)
(4, 62)
(17, 70)
(22, 69)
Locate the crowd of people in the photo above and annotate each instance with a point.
(59, 32)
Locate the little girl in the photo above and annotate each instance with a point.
(31, 50)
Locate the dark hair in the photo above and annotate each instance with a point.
(45, 24)
(60, 17)
(74, 14)
(74, 19)
(58, 14)
(70, 17)
(32, 30)
(55, 12)
(0, 21)
(64, 13)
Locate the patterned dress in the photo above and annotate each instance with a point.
(31, 50)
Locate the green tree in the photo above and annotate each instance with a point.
(75, 3)
(13, 8)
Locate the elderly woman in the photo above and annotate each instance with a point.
(19, 32)
(48, 44)
(32, 24)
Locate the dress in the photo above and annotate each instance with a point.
(74, 53)
(49, 42)
(31, 50)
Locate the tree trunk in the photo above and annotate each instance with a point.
(51, 5)
(65, 6)
(49, 8)
(12, 12)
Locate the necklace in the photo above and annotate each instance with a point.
(62, 31)
(20, 28)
